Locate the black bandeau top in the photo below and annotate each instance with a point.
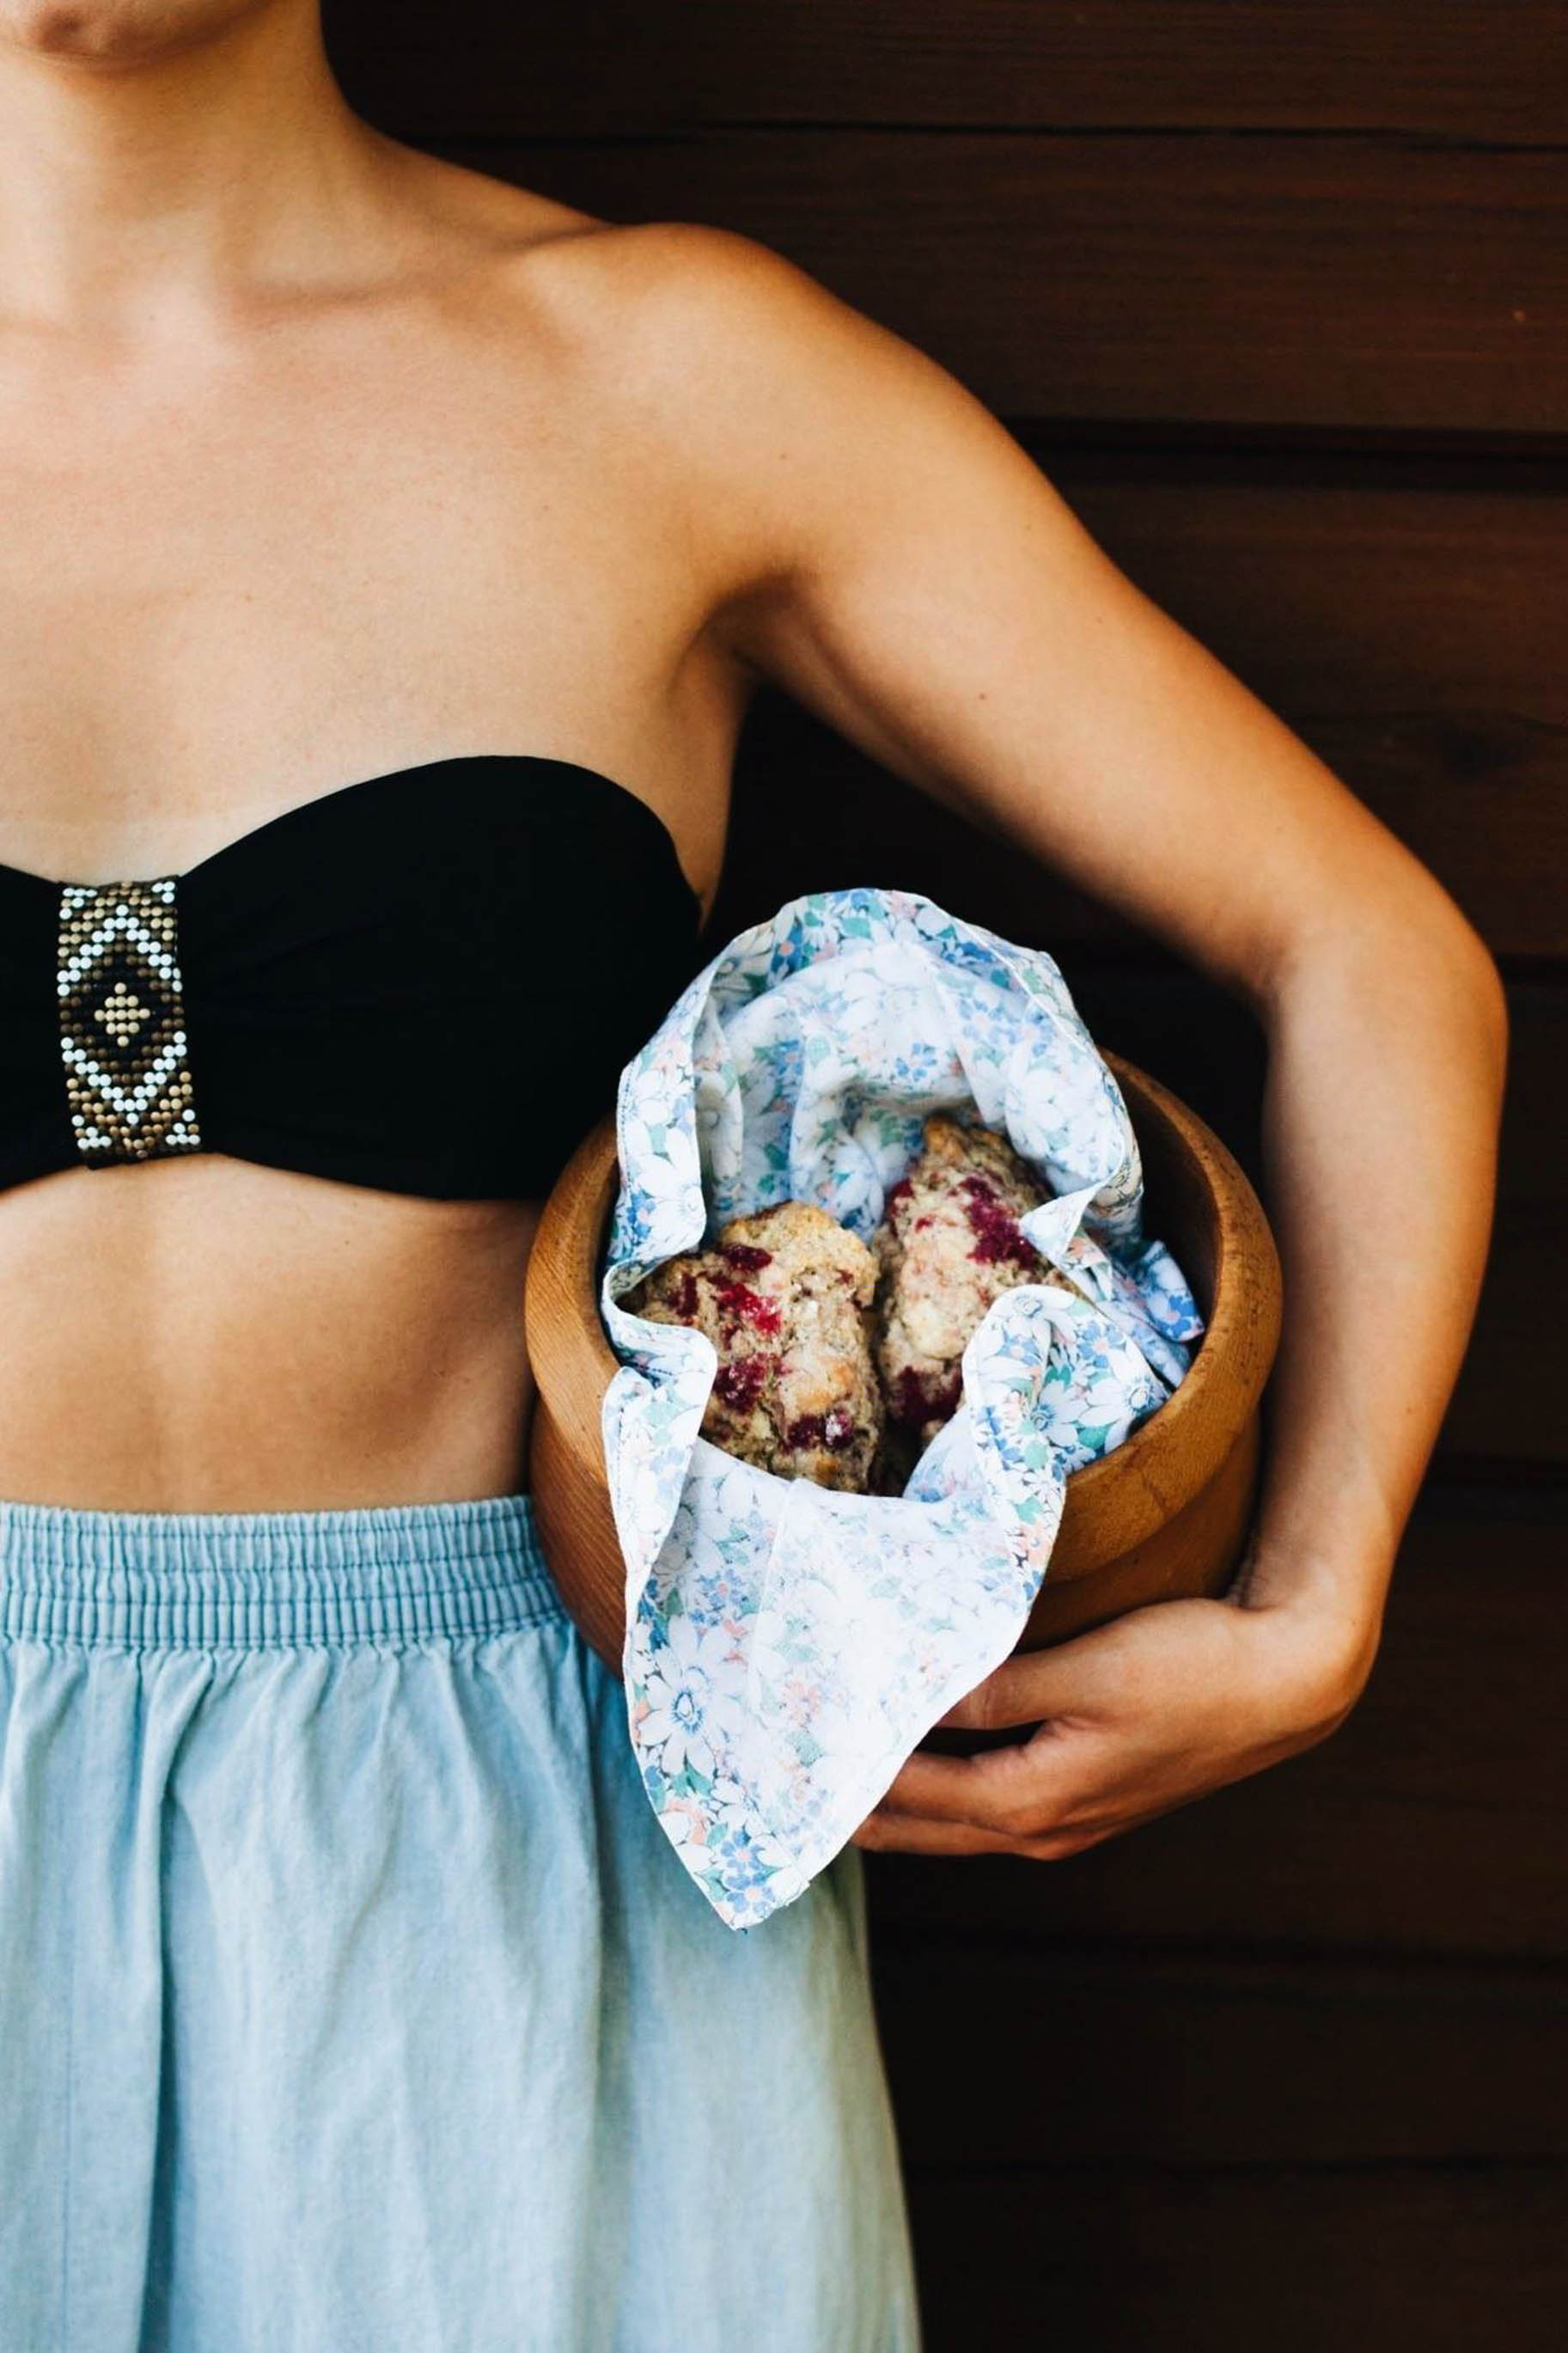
(426, 981)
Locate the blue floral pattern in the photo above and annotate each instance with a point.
(787, 1646)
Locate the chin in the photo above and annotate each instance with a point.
(116, 31)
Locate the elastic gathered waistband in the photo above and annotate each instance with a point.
(384, 1576)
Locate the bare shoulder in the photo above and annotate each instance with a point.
(721, 343)
(710, 322)
(781, 434)
(474, 219)
(746, 338)
(678, 279)
(785, 414)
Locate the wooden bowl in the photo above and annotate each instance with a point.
(1165, 1514)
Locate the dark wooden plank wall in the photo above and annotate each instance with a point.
(1276, 293)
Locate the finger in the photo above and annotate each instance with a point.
(887, 1827)
(1031, 1685)
(1020, 1787)
(915, 1834)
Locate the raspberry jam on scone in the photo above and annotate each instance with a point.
(786, 1297)
(948, 1245)
(838, 1363)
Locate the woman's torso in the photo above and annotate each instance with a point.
(385, 528)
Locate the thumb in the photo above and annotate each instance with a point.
(1061, 1681)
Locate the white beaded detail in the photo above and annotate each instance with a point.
(123, 1021)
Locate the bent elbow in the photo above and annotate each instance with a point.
(1479, 981)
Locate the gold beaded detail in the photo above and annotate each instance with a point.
(123, 1021)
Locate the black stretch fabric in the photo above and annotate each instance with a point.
(427, 982)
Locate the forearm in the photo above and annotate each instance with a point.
(1386, 1053)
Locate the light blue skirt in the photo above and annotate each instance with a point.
(351, 1997)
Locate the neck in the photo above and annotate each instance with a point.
(137, 185)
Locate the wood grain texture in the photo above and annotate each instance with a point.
(1332, 284)
(1403, 626)
(1166, 1513)
(1477, 74)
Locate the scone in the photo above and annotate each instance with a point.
(948, 1245)
(786, 1298)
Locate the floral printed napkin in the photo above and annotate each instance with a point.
(788, 1646)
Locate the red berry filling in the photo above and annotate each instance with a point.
(995, 1230)
(739, 1382)
(918, 1398)
(834, 1429)
(748, 1306)
(747, 1256)
(685, 1296)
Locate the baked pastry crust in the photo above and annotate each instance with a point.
(839, 1363)
(786, 1297)
(948, 1245)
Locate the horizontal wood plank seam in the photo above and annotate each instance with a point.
(1074, 2163)
(1400, 138)
(689, 128)
(1213, 1966)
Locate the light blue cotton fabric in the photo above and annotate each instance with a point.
(353, 2000)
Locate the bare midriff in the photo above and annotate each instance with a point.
(207, 1335)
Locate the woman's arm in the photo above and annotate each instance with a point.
(892, 557)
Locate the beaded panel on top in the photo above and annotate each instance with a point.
(123, 1021)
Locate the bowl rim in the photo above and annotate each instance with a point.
(1158, 1469)
(1167, 1462)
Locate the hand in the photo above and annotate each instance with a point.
(1139, 1717)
